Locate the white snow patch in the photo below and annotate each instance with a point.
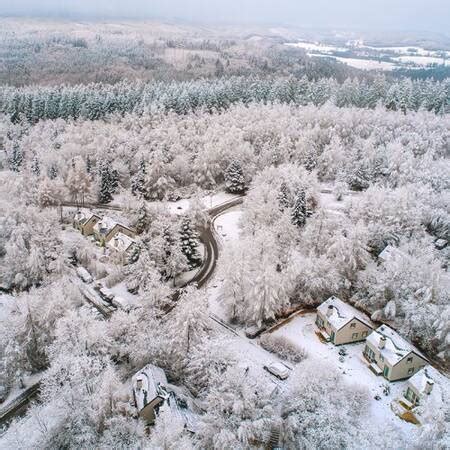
(227, 225)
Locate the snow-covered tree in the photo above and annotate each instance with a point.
(234, 178)
(298, 214)
(189, 243)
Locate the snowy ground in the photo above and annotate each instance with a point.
(6, 306)
(301, 332)
(210, 201)
(227, 225)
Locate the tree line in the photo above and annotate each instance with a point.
(97, 101)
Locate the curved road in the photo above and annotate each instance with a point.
(208, 238)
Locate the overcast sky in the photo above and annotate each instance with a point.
(427, 15)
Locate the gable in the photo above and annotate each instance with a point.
(412, 353)
(355, 319)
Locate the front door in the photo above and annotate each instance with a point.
(386, 371)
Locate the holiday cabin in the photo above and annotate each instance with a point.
(149, 392)
(107, 228)
(85, 222)
(341, 323)
(392, 356)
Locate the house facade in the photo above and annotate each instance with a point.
(388, 354)
(341, 323)
(105, 229)
(421, 385)
(85, 223)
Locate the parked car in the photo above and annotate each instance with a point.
(84, 275)
(278, 369)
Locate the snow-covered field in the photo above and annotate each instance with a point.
(422, 60)
(301, 332)
(364, 64)
(317, 47)
(406, 55)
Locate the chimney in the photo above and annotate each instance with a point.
(139, 384)
(382, 342)
(428, 387)
(330, 310)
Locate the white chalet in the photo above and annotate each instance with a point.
(341, 323)
(391, 355)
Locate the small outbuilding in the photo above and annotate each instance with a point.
(428, 391)
(341, 323)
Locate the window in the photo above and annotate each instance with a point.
(411, 396)
(409, 359)
(353, 325)
(382, 357)
(355, 336)
(369, 353)
(364, 334)
(410, 370)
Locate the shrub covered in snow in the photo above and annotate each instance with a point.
(283, 348)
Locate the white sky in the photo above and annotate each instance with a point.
(430, 15)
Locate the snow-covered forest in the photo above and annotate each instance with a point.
(324, 174)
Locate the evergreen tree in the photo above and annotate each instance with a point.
(16, 159)
(143, 220)
(138, 181)
(299, 210)
(35, 166)
(189, 243)
(106, 187)
(88, 164)
(284, 197)
(234, 178)
(52, 172)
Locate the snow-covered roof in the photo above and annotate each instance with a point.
(395, 348)
(80, 217)
(342, 313)
(148, 384)
(180, 410)
(388, 253)
(105, 225)
(83, 216)
(121, 242)
(426, 375)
